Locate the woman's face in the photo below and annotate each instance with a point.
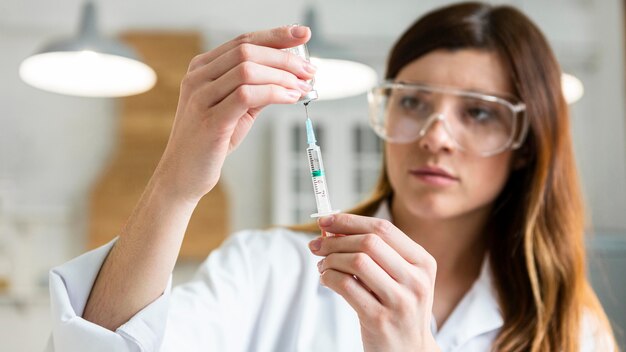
(413, 168)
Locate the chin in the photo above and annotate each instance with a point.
(432, 214)
(431, 207)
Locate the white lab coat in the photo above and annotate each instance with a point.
(259, 291)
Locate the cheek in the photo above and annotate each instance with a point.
(395, 155)
(486, 178)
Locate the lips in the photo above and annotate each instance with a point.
(433, 171)
(434, 175)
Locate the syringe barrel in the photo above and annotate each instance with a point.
(316, 166)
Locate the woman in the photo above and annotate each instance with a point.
(472, 241)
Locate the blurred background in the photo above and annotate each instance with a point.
(72, 168)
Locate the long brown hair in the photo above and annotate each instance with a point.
(537, 252)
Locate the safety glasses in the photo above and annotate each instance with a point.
(479, 124)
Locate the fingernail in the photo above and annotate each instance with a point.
(316, 244)
(304, 85)
(310, 68)
(326, 221)
(319, 265)
(293, 94)
(298, 31)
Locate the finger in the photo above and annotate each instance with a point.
(378, 250)
(279, 38)
(361, 300)
(249, 73)
(366, 270)
(247, 97)
(259, 54)
(355, 224)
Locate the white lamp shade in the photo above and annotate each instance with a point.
(336, 79)
(572, 87)
(88, 65)
(87, 73)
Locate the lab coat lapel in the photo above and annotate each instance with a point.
(476, 314)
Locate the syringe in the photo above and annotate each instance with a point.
(313, 151)
(317, 174)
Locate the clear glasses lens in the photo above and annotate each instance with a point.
(478, 124)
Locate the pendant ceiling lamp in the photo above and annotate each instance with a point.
(573, 88)
(88, 65)
(337, 75)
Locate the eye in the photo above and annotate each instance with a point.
(480, 114)
(409, 102)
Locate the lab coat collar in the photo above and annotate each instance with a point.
(477, 313)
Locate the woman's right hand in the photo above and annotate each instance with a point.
(220, 96)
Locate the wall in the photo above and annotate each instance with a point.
(53, 147)
(587, 38)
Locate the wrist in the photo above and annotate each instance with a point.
(167, 191)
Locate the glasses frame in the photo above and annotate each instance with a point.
(515, 141)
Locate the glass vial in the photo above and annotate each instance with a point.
(303, 52)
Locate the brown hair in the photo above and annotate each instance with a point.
(537, 253)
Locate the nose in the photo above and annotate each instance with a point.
(434, 136)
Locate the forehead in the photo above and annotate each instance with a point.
(467, 69)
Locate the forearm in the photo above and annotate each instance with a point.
(138, 267)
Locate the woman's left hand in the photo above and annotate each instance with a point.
(384, 275)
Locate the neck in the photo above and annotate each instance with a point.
(458, 244)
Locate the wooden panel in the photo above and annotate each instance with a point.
(144, 127)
